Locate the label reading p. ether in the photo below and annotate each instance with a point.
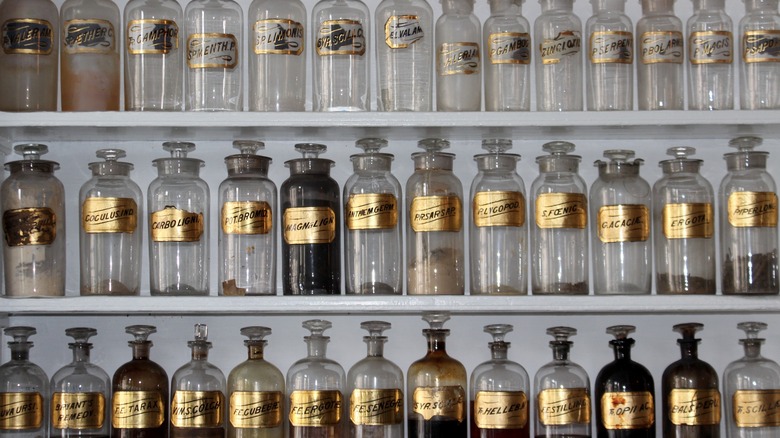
(688, 221)
(627, 410)
(341, 37)
(436, 213)
(77, 410)
(88, 36)
(611, 47)
(173, 225)
(509, 48)
(152, 37)
(212, 50)
(278, 37)
(29, 226)
(558, 407)
(561, 210)
(624, 223)
(662, 47)
(109, 215)
(752, 209)
(21, 410)
(458, 59)
(565, 44)
(711, 47)
(255, 409)
(197, 409)
(440, 401)
(137, 410)
(757, 408)
(694, 407)
(761, 46)
(308, 225)
(498, 209)
(315, 408)
(247, 217)
(500, 409)
(401, 31)
(376, 407)
(27, 36)
(372, 211)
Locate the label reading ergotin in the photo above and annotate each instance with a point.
(371, 211)
(443, 401)
(246, 217)
(757, 408)
(713, 47)
(611, 47)
(694, 407)
(498, 209)
(27, 36)
(509, 48)
(761, 46)
(458, 59)
(659, 47)
(109, 215)
(88, 36)
(627, 410)
(30, 226)
(341, 37)
(306, 225)
(212, 50)
(278, 37)
(315, 408)
(563, 406)
(752, 209)
(561, 210)
(624, 223)
(77, 410)
(566, 43)
(500, 409)
(137, 409)
(174, 225)
(21, 410)
(436, 213)
(376, 407)
(401, 31)
(197, 409)
(688, 221)
(255, 409)
(158, 37)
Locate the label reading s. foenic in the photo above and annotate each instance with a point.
(278, 37)
(566, 44)
(137, 409)
(376, 407)
(500, 409)
(498, 209)
(561, 210)
(256, 409)
(694, 407)
(77, 410)
(341, 37)
(174, 225)
(557, 407)
(624, 223)
(21, 410)
(308, 225)
(611, 47)
(509, 48)
(29, 226)
(752, 209)
(627, 410)
(371, 211)
(197, 409)
(152, 37)
(109, 215)
(458, 59)
(401, 31)
(761, 46)
(315, 408)
(688, 221)
(712, 47)
(662, 47)
(27, 36)
(88, 36)
(436, 213)
(246, 217)
(440, 401)
(212, 50)
(756, 408)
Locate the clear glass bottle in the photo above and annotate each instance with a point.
(277, 56)
(311, 211)
(341, 59)
(498, 235)
(32, 200)
(247, 233)
(110, 230)
(748, 222)
(458, 58)
(691, 399)
(558, 36)
(198, 393)
(562, 391)
(559, 235)
(376, 390)
(256, 391)
(683, 227)
(81, 392)
(507, 43)
(372, 226)
(24, 385)
(140, 391)
(434, 232)
(710, 57)
(178, 225)
(499, 392)
(610, 57)
(620, 208)
(436, 387)
(759, 32)
(316, 380)
(660, 49)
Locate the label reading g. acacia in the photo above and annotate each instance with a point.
(371, 211)
(30, 226)
(713, 47)
(401, 31)
(624, 223)
(376, 407)
(212, 50)
(611, 47)
(157, 37)
(173, 225)
(498, 209)
(77, 410)
(27, 36)
(88, 36)
(566, 43)
(458, 59)
(627, 410)
(250, 409)
(444, 401)
(306, 225)
(561, 210)
(563, 406)
(752, 209)
(509, 48)
(21, 410)
(759, 408)
(761, 46)
(315, 408)
(247, 217)
(197, 409)
(660, 47)
(137, 410)
(500, 409)
(688, 221)
(341, 37)
(109, 215)
(278, 37)
(436, 213)
(694, 407)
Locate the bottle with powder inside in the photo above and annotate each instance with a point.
(660, 55)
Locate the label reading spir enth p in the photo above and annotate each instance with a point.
(500, 409)
(308, 225)
(21, 410)
(436, 213)
(137, 409)
(212, 51)
(256, 409)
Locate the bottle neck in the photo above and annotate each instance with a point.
(376, 348)
(752, 349)
(657, 7)
(460, 7)
(317, 347)
(20, 352)
(561, 352)
(255, 352)
(556, 5)
(437, 341)
(689, 350)
(709, 5)
(609, 5)
(200, 352)
(141, 350)
(81, 352)
(761, 5)
(498, 351)
(498, 7)
(622, 349)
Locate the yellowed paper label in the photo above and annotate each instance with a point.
(212, 50)
(401, 31)
(611, 47)
(761, 46)
(372, 211)
(444, 401)
(247, 217)
(174, 225)
(509, 48)
(137, 410)
(561, 210)
(458, 59)
(436, 213)
(376, 407)
(109, 215)
(315, 408)
(278, 37)
(77, 410)
(711, 47)
(254, 409)
(196, 409)
(752, 209)
(21, 410)
(29, 226)
(694, 407)
(759, 408)
(307, 225)
(662, 47)
(500, 409)
(688, 221)
(498, 209)
(624, 223)
(627, 410)
(558, 407)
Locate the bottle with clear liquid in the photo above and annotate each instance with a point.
(562, 391)
(458, 58)
(140, 391)
(23, 383)
(691, 399)
(316, 381)
(759, 32)
(256, 391)
(499, 392)
(710, 57)
(341, 59)
(277, 55)
(81, 392)
(376, 390)
(507, 43)
(247, 233)
(110, 232)
(498, 235)
(660, 49)
(610, 57)
(558, 36)
(198, 393)
(436, 387)
(372, 226)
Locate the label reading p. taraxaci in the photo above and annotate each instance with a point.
(27, 36)
(212, 50)
(688, 221)
(137, 409)
(341, 37)
(627, 410)
(401, 31)
(29, 226)
(624, 223)
(197, 409)
(752, 209)
(109, 215)
(561, 210)
(278, 37)
(376, 407)
(21, 410)
(558, 407)
(88, 36)
(509, 48)
(498, 209)
(660, 47)
(756, 408)
(761, 46)
(152, 37)
(712, 47)
(440, 401)
(246, 217)
(436, 213)
(306, 225)
(256, 409)
(611, 47)
(458, 59)
(315, 408)
(500, 409)
(77, 410)
(173, 225)
(694, 407)
(555, 50)
(371, 211)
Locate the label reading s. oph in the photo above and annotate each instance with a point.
(401, 31)
(246, 217)
(563, 406)
(315, 408)
(611, 47)
(109, 215)
(77, 410)
(88, 36)
(761, 46)
(500, 409)
(278, 37)
(627, 410)
(752, 209)
(566, 43)
(498, 209)
(197, 409)
(341, 37)
(30, 226)
(688, 221)
(152, 37)
(21, 410)
(137, 409)
(440, 401)
(624, 223)
(436, 213)
(561, 210)
(371, 211)
(376, 407)
(308, 225)
(660, 47)
(173, 225)
(694, 407)
(212, 50)
(255, 409)
(509, 48)
(757, 408)
(27, 36)
(457, 59)
(713, 47)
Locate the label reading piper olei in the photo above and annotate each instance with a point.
(563, 406)
(566, 43)
(196, 409)
(255, 409)
(761, 46)
(30, 226)
(246, 217)
(341, 37)
(561, 210)
(498, 209)
(307, 225)
(21, 410)
(757, 408)
(315, 408)
(77, 410)
(627, 410)
(401, 31)
(688, 221)
(440, 401)
(173, 225)
(712, 47)
(694, 407)
(27, 36)
(212, 50)
(436, 213)
(371, 211)
(376, 407)
(278, 37)
(624, 223)
(155, 37)
(88, 36)
(457, 59)
(137, 409)
(509, 48)
(500, 409)
(611, 47)
(109, 215)
(752, 209)
(661, 47)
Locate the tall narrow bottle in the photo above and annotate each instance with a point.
(660, 51)
(25, 387)
(507, 48)
(610, 57)
(458, 57)
(558, 35)
(759, 33)
(710, 57)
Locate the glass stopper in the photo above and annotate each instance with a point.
(688, 330)
(619, 155)
(81, 335)
(375, 328)
(317, 326)
(31, 151)
(141, 332)
(558, 147)
(496, 145)
(311, 150)
(248, 147)
(179, 149)
(256, 334)
(751, 329)
(498, 331)
(371, 145)
(745, 143)
(681, 152)
(436, 320)
(561, 334)
(621, 331)
(110, 154)
(433, 145)
(20, 333)
(201, 332)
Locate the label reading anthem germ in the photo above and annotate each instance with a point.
(196, 409)
(627, 410)
(21, 410)
(442, 401)
(315, 408)
(557, 407)
(694, 407)
(371, 211)
(255, 409)
(137, 410)
(173, 225)
(78, 410)
(376, 407)
(109, 215)
(500, 409)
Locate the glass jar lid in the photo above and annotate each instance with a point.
(496, 158)
(618, 163)
(681, 163)
(247, 161)
(110, 165)
(178, 161)
(371, 158)
(310, 161)
(433, 157)
(31, 159)
(746, 157)
(559, 159)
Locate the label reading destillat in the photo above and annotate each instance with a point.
(611, 47)
(509, 48)
(256, 409)
(315, 408)
(246, 217)
(713, 47)
(558, 407)
(173, 225)
(21, 410)
(152, 37)
(307, 225)
(757, 408)
(88, 36)
(761, 46)
(458, 59)
(371, 211)
(561, 210)
(624, 223)
(197, 409)
(660, 47)
(694, 407)
(752, 209)
(627, 410)
(27, 36)
(688, 221)
(498, 209)
(500, 409)
(376, 407)
(278, 37)
(109, 215)
(137, 409)
(566, 43)
(341, 37)
(401, 31)
(212, 51)
(443, 401)
(436, 213)
(29, 226)
(77, 410)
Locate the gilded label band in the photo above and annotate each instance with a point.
(436, 213)
(611, 47)
(401, 31)
(255, 409)
(624, 223)
(30, 226)
(152, 37)
(627, 410)
(509, 48)
(109, 215)
(752, 209)
(137, 409)
(197, 409)
(561, 210)
(212, 50)
(247, 217)
(376, 407)
(758, 408)
(563, 406)
(315, 408)
(444, 401)
(457, 59)
(566, 43)
(341, 37)
(278, 37)
(688, 221)
(500, 409)
(88, 36)
(694, 407)
(27, 36)
(371, 211)
(498, 209)
(21, 410)
(761, 46)
(662, 47)
(174, 225)
(306, 225)
(713, 47)
(77, 410)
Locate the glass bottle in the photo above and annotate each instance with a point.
(759, 32)
(23, 385)
(178, 232)
(256, 390)
(404, 55)
(559, 235)
(752, 389)
(620, 225)
(748, 222)
(661, 51)
(277, 57)
(110, 230)
(691, 399)
(3, 152)
(434, 233)
(33, 206)
(499, 392)
(436, 387)
(458, 63)
(683, 226)
(498, 236)
(625, 393)
(341, 60)
(198, 393)
(316, 380)
(140, 387)
(710, 57)
(311, 210)
(80, 393)
(562, 391)
(376, 390)
(610, 57)
(214, 47)
(507, 43)
(558, 36)
(247, 234)
(372, 226)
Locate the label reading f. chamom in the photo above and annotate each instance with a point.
(376, 407)
(500, 409)
(155, 37)
(30, 226)
(752, 209)
(558, 407)
(757, 408)
(137, 409)
(694, 407)
(688, 221)
(401, 31)
(307, 225)
(315, 408)
(256, 409)
(443, 401)
(278, 37)
(78, 410)
(436, 213)
(246, 217)
(21, 410)
(197, 409)
(173, 225)
(627, 410)
(561, 210)
(498, 209)
(109, 215)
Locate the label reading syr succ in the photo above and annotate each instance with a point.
(444, 401)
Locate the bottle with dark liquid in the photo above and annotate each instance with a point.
(25, 383)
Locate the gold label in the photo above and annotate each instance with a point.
(627, 410)
(255, 409)
(137, 409)
(566, 43)
(21, 410)
(247, 217)
(509, 48)
(278, 37)
(500, 409)
(30, 226)
(173, 225)
(713, 47)
(212, 50)
(109, 215)
(27, 36)
(152, 37)
(752, 209)
(761, 46)
(498, 209)
(611, 47)
(315, 408)
(694, 407)
(561, 210)
(88, 36)
(401, 31)
(443, 401)
(197, 409)
(374, 211)
(376, 407)
(759, 408)
(341, 37)
(77, 410)
(688, 221)
(304, 225)
(563, 406)
(436, 213)
(624, 223)
(457, 59)
(662, 47)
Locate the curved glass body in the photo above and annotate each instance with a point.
(609, 75)
(558, 60)
(710, 57)
(507, 57)
(24, 383)
(458, 58)
(759, 73)
(660, 50)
